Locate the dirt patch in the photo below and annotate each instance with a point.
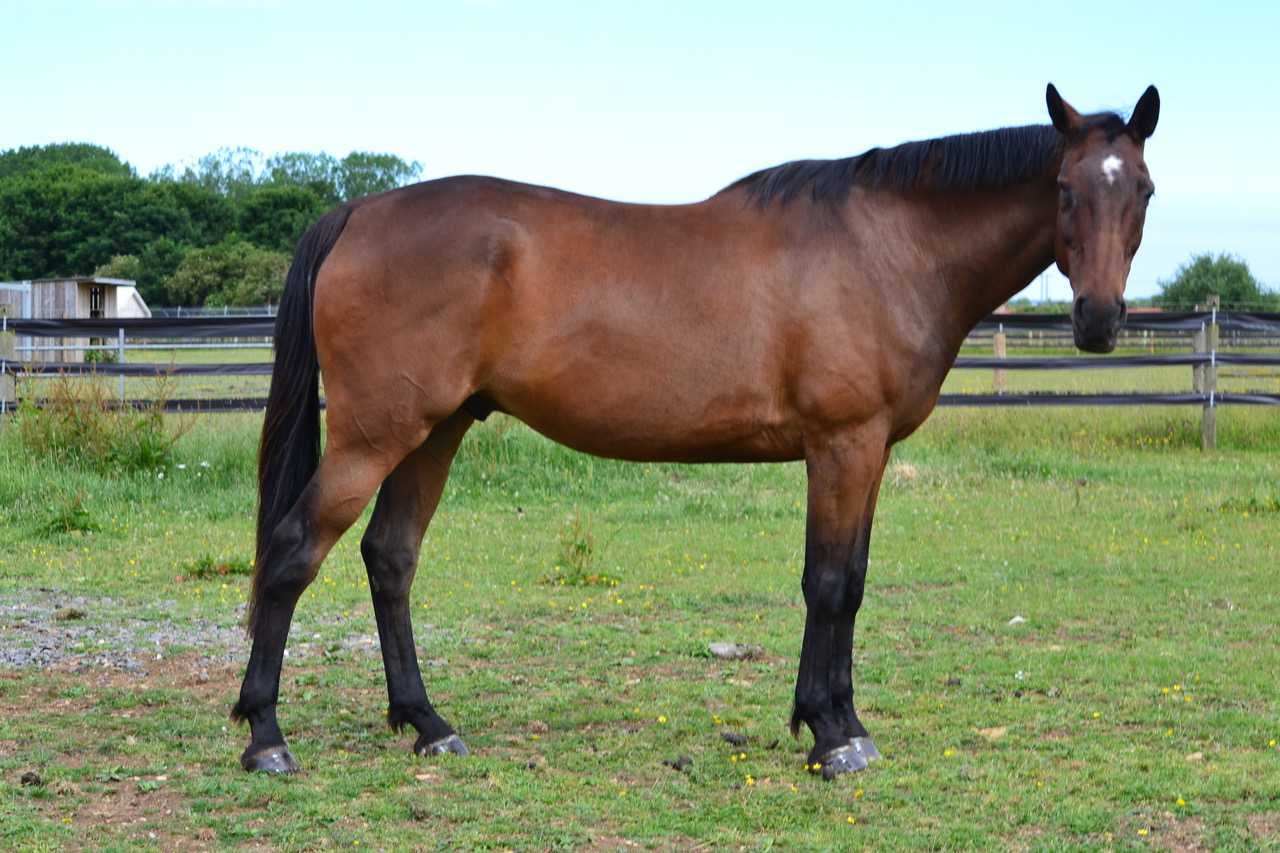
(1264, 827)
(135, 810)
(87, 756)
(606, 843)
(1167, 831)
(89, 782)
(1182, 836)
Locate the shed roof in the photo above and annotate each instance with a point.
(88, 279)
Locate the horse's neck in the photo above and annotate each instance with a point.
(990, 244)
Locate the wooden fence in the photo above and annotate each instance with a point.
(1211, 340)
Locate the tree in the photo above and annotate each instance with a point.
(364, 173)
(232, 273)
(36, 158)
(68, 220)
(212, 215)
(319, 173)
(1224, 275)
(149, 269)
(232, 172)
(75, 208)
(359, 173)
(276, 217)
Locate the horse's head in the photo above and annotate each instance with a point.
(1103, 190)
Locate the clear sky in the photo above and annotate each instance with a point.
(661, 101)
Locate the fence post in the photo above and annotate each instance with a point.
(1209, 379)
(120, 360)
(8, 352)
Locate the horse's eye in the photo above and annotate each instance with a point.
(1067, 197)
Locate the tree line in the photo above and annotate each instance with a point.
(219, 231)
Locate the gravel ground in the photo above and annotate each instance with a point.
(51, 628)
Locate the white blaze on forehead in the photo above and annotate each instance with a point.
(1111, 168)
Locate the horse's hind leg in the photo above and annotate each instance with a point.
(391, 546)
(334, 498)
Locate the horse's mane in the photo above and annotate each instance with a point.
(965, 161)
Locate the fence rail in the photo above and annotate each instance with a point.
(1210, 329)
(144, 327)
(262, 327)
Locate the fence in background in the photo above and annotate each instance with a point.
(1215, 339)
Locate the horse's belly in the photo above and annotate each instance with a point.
(658, 427)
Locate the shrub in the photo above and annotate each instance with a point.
(232, 273)
(1224, 275)
(79, 423)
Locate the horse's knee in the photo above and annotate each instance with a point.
(833, 593)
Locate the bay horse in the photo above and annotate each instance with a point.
(806, 312)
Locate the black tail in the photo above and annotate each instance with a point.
(290, 449)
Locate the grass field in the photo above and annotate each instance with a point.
(1069, 643)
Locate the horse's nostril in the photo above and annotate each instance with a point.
(1077, 309)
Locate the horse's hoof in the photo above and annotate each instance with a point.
(844, 759)
(451, 745)
(864, 747)
(279, 760)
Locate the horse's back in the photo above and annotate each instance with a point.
(612, 327)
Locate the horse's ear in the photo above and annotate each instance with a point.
(1064, 116)
(1143, 121)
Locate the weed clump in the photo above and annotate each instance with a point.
(67, 515)
(207, 567)
(79, 424)
(578, 554)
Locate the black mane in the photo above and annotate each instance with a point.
(965, 161)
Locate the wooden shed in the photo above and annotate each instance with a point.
(62, 298)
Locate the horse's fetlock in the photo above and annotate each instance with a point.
(401, 715)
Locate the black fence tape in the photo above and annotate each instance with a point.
(1189, 321)
(213, 405)
(146, 327)
(1108, 362)
(73, 368)
(264, 327)
(1028, 400)
(77, 368)
(1052, 399)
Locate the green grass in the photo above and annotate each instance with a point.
(1134, 709)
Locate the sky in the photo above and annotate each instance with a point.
(660, 101)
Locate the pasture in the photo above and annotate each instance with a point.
(1069, 642)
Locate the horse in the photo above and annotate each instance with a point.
(808, 311)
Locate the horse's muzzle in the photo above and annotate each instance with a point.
(1097, 324)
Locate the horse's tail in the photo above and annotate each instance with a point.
(290, 448)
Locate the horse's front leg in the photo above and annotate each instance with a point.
(844, 480)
